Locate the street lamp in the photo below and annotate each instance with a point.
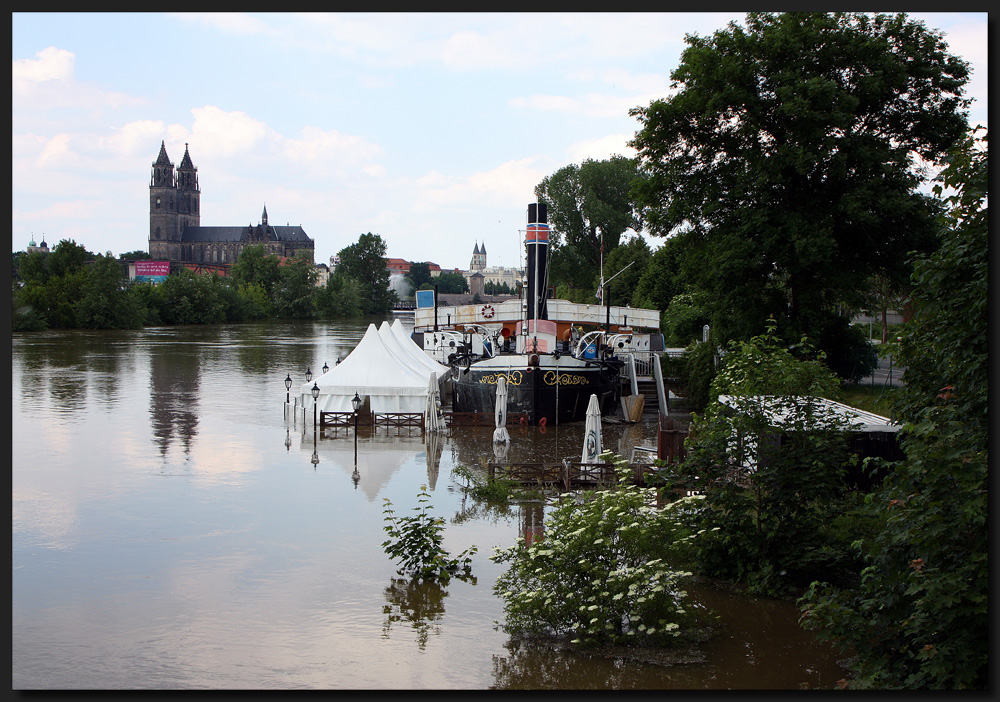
(309, 375)
(315, 395)
(356, 404)
(288, 387)
(325, 368)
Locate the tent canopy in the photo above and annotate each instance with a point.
(374, 369)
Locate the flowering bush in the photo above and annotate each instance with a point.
(603, 571)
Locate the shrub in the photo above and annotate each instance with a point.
(605, 571)
(416, 543)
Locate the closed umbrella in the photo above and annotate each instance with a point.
(592, 432)
(432, 420)
(500, 410)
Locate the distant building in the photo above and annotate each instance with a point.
(175, 231)
(498, 275)
(41, 248)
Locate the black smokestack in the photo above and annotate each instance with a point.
(537, 243)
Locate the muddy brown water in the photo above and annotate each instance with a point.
(172, 530)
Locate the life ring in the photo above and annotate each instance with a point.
(487, 311)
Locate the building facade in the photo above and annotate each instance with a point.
(175, 231)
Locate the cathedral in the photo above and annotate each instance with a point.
(175, 231)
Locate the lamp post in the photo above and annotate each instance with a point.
(356, 404)
(325, 368)
(315, 396)
(309, 375)
(288, 387)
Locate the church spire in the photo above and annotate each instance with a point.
(263, 217)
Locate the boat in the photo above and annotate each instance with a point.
(542, 346)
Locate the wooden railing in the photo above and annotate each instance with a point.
(367, 419)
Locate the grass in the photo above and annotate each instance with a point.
(878, 399)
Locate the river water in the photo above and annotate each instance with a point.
(171, 529)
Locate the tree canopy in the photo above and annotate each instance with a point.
(590, 207)
(788, 158)
(919, 618)
(365, 262)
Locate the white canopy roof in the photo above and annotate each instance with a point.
(374, 370)
(410, 348)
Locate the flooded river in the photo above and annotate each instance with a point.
(171, 530)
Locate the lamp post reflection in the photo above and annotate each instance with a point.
(356, 404)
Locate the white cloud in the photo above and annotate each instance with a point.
(225, 134)
(51, 64)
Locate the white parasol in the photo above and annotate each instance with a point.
(500, 434)
(592, 432)
(432, 419)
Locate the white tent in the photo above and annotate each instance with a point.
(371, 370)
(410, 347)
(412, 355)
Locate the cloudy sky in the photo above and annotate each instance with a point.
(430, 130)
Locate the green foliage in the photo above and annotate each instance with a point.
(189, 298)
(365, 262)
(340, 297)
(254, 266)
(295, 290)
(764, 366)
(698, 367)
(771, 486)
(683, 319)
(419, 274)
(919, 618)
(769, 491)
(415, 542)
(627, 262)
(107, 301)
(602, 572)
(590, 207)
(784, 160)
(451, 283)
(661, 280)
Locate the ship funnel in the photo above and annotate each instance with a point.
(537, 243)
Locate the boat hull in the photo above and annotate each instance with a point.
(555, 391)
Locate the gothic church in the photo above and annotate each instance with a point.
(175, 231)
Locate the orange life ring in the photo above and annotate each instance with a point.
(488, 311)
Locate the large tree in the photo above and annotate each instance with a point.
(590, 207)
(365, 262)
(919, 618)
(789, 158)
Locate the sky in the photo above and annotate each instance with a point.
(429, 129)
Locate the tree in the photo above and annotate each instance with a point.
(107, 301)
(590, 207)
(340, 297)
(254, 266)
(451, 283)
(419, 275)
(660, 281)
(626, 263)
(365, 262)
(787, 158)
(295, 291)
(919, 618)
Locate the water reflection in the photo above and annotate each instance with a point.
(170, 530)
(174, 390)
